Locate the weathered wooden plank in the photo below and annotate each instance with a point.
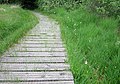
(36, 54)
(42, 66)
(42, 37)
(42, 42)
(54, 40)
(42, 82)
(21, 49)
(40, 45)
(39, 49)
(45, 35)
(45, 29)
(37, 32)
(33, 59)
(37, 76)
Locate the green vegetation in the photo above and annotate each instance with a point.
(92, 36)
(100, 7)
(92, 45)
(14, 23)
(90, 29)
(47, 5)
(105, 7)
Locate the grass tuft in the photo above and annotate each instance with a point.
(14, 23)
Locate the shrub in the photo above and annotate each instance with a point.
(51, 4)
(105, 7)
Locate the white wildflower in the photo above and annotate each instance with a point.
(89, 40)
(74, 30)
(75, 24)
(117, 43)
(15, 6)
(75, 33)
(2, 9)
(68, 17)
(86, 62)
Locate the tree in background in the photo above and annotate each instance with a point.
(105, 7)
(10, 1)
(29, 4)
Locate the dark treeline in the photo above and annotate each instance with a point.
(29, 4)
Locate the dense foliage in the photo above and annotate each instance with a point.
(109, 8)
(47, 5)
(105, 7)
(101, 7)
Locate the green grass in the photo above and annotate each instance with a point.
(14, 23)
(93, 46)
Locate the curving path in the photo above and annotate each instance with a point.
(38, 58)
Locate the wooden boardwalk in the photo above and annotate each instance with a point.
(38, 58)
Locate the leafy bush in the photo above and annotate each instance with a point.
(105, 7)
(101, 7)
(47, 5)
